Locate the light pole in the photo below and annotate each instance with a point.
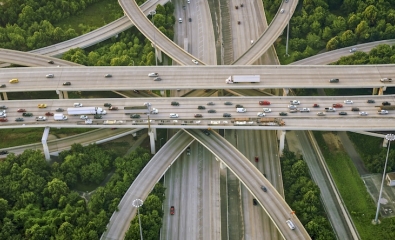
(286, 45)
(138, 203)
(389, 137)
(152, 13)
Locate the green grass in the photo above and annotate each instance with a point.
(22, 136)
(95, 16)
(366, 145)
(353, 191)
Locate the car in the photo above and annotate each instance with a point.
(353, 50)
(363, 113)
(153, 74)
(294, 102)
(282, 10)
(2, 85)
(304, 110)
(386, 103)
(41, 118)
(188, 151)
(113, 108)
(135, 116)
(371, 101)
(175, 103)
(190, 19)
(136, 91)
(51, 62)
(27, 114)
(42, 105)
(264, 103)
(337, 105)
(315, 105)
(107, 104)
(348, 102)
(3, 152)
(14, 80)
(238, 22)
(195, 62)
(77, 105)
(228, 103)
(210, 103)
(172, 210)
(263, 188)
(50, 75)
(321, 114)
(283, 114)
(342, 113)
(239, 106)
(19, 119)
(226, 115)
(293, 110)
(201, 107)
(21, 110)
(386, 80)
(59, 110)
(97, 116)
(212, 111)
(198, 115)
(266, 110)
(206, 132)
(260, 114)
(292, 107)
(290, 224)
(109, 75)
(3, 120)
(173, 115)
(3, 107)
(382, 112)
(334, 80)
(180, 20)
(355, 109)
(254, 202)
(256, 158)
(66, 83)
(83, 117)
(3, 114)
(157, 79)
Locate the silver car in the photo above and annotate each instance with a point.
(173, 115)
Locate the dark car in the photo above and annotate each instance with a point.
(226, 115)
(371, 101)
(239, 106)
(172, 210)
(206, 132)
(188, 151)
(108, 75)
(212, 111)
(256, 159)
(27, 114)
(201, 107)
(19, 119)
(264, 188)
(198, 115)
(3, 152)
(190, 19)
(135, 116)
(136, 91)
(210, 103)
(175, 103)
(97, 116)
(228, 103)
(255, 202)
(386, 103)
(48, 114)
(2, 86)
(59, 110)
(3, 107)
(113, 108)
(66, 83)
(107, 104)
(342, 113)
(283, 114)
(51, 62)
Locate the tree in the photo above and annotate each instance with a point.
(370, 14)
(333, 44)
(57, 188)
(348, 38)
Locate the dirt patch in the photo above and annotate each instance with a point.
(332, 141)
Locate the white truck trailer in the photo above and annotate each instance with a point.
(86, 111)
(243, 79)
(112, 122)
(59, 117)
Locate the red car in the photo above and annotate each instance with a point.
(48, 114)
(337, 105)
(3, 120)
(172, 210)
(21, 110)
(316, 105)
(264, 103)
(256, 159)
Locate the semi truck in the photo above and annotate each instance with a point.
(243, 79)
(387, 107)
(59, 117)
(270, 122)
(112, 122)
(86, 111)
(135, 108)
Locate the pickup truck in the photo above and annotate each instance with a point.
(337, 105)
(330, 109)
(41, 118)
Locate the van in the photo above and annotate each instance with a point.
(290, 224)
(241, 110)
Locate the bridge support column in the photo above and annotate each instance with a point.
(44, 142)
(159, 54)
(163, 93)
(281, 137)
(65, 95)
(152, 141)
(381, 90)
(375, 90)
(5, 97)
(60, 93)
(285, 91)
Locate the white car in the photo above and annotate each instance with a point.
(267, 110)
(282, 10)
(49, 75)
(295, 102)
(153, 74)
(260, 114)
(77, 105)
(353, 50)
(173, 115)
(83, 117)
(348, 101)
(195, 62)
(305, 110)
(293, 110)
(292, 107)
(320, 114)
(363, 113)
(382, 112)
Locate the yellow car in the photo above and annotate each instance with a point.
(14, 80)
(42, 105)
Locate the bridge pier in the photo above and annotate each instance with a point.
(65, 95)
(60, 93)
(5, 97)
(281, 137)
(379, 91)
(285, 92)
(44, 142)
(152, 137)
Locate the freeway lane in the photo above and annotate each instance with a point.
(196, 77)
(275, 206)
